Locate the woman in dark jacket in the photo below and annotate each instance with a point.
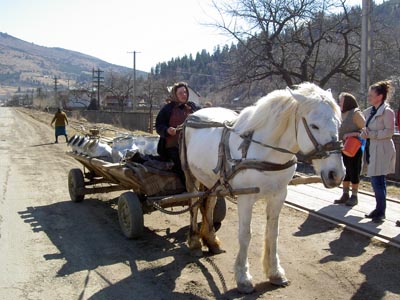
(168, 119)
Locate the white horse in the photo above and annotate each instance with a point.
(283, 123)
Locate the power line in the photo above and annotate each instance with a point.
(97, 80)
(198, 74)
(55, 91)
(134, 73)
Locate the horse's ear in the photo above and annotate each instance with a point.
(296, 96)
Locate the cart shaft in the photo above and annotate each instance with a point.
(182, 198)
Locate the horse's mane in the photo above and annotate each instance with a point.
(278, 107)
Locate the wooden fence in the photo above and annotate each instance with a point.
(127, 120)
(396, 175)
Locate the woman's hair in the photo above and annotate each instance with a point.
(384, 88)
(349, 101)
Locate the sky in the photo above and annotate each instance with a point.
(157, 30)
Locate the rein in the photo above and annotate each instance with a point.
(319, 152)
(229, 167)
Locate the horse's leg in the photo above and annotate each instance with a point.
(270, 260)
(207, 231)
(242, 272)
(194, 241)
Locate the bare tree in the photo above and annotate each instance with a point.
(386, 45)
(153, 92)
(81, 95)
(120, 87)
(304, 40)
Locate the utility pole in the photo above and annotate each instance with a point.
(97, 79)
(366, 48)
(134, 75)
(55, 92)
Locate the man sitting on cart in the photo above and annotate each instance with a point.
(168, 119)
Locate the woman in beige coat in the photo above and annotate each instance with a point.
(380, 154)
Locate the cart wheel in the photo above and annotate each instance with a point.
(75, 182)
(219, 212)
(130, 215)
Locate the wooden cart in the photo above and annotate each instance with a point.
(147, 189)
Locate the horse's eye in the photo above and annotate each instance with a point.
(313, 126)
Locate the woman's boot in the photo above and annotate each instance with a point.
(345, 197)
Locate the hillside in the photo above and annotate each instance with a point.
(27, 65)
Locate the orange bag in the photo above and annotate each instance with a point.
(351, 146)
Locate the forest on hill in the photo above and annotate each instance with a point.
(283, 43)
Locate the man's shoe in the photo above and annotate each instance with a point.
(343, 199)
(371, 215)
(378, 219)
(352, 201)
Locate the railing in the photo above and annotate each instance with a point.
(127, 120)
(396, 175)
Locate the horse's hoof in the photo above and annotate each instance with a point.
(245, 288)
(196, 253)
(216, 250)
(279, 281)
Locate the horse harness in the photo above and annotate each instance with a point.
(228, 167)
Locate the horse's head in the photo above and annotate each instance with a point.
(318, 122)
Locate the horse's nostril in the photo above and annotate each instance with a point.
(332, 175)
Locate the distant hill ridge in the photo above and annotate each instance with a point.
(24, 64)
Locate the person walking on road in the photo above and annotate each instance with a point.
(380, 154)
(61, 120)
(352, 122)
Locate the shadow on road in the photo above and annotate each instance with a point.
(380, 272)
(384, 266)
(87, 236)
(46, 144)
(313, 225)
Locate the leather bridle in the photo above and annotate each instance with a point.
(320, 151)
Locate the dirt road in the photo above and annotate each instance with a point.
(52, 248)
